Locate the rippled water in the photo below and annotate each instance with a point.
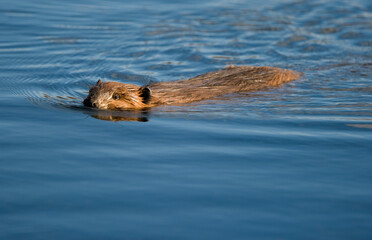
(287, 163)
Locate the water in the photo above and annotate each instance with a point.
(287, 163)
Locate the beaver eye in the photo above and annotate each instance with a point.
(116, 96)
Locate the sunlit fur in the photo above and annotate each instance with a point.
(203, 87)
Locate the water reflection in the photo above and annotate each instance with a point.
(117, 116)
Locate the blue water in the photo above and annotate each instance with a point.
(286, 163)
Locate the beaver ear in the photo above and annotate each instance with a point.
(145, 94)
(99, 82)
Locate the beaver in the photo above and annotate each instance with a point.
(115, 95)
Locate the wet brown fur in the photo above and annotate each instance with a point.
(115, 95)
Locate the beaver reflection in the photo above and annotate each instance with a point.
(116, 116)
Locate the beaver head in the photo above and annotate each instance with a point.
(114, 95)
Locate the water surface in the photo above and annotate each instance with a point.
(287, 163)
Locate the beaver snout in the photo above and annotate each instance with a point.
(87, 103)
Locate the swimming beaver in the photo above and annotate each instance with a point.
(115, 95)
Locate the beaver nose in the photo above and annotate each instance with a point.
(87, 102)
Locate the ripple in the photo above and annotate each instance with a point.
(367, 126)
(72, 50)
(266, 159)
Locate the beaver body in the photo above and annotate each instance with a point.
(115, 95)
